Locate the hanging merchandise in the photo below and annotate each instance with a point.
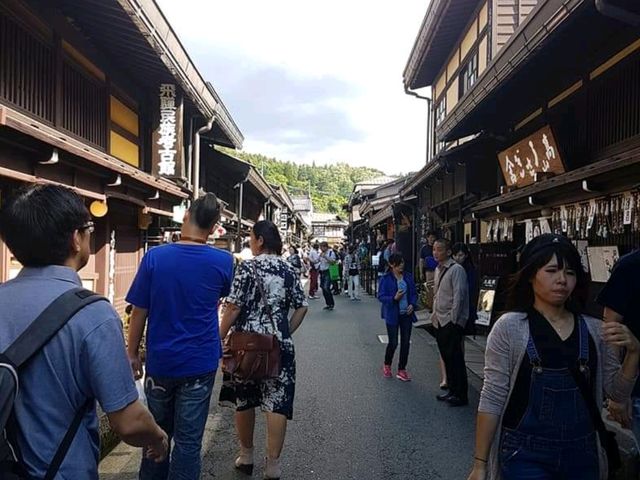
(544, 226)
(636, 212)
(512, 223)
(627, 207)
(571, 221)
(564, 219)
(529, 230)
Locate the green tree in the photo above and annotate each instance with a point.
(329, 185)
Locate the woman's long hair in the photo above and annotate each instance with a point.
(461, 247)
(520, 296)
(272, 242)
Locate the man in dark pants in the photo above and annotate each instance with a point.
(327, 257)
(450, 315)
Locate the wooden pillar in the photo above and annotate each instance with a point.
(102, 254)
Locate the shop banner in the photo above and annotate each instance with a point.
(537, 153)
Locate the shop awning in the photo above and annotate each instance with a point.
(615, 170)
(381, 216)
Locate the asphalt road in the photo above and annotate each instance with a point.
(349, 421)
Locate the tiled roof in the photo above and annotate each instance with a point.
(302, 203)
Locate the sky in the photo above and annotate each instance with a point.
(312, 81)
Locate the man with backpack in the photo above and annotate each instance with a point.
(62, 348)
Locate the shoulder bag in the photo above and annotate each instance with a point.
(250, 355)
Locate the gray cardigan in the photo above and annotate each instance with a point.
(506, 348)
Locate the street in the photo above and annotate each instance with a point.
(349, 421)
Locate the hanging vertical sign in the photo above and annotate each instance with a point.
(167, 151)
(284, 221)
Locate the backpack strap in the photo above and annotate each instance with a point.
(48, 323)
(36, 336)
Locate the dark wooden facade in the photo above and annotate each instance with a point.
(75, 114)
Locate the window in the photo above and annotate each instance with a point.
(441, 110)
(468, 74)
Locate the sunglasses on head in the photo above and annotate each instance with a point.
(88, 226)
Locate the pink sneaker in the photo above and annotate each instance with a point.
(403, 375)
(386, 371)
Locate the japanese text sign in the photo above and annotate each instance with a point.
(538, 153)
(167, 137)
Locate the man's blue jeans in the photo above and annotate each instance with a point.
(180, 406)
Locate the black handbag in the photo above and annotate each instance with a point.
(607, 437)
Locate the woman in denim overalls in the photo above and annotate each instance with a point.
(533, 422)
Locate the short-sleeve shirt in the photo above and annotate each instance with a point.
(283, 289)
(622, 294)
(426, 254)
(324, 260)
(85, 360)
(180, 285)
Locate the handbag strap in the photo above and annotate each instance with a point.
(587, 394)
(263, 295)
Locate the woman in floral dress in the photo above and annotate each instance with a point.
(246, 311)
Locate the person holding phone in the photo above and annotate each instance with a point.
(399, 299)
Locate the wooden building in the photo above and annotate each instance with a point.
(100, 96)
(536, 126)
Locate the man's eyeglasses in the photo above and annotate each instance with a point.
(90, 226)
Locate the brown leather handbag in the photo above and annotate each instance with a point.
(250, 355)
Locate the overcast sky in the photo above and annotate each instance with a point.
(312, 80)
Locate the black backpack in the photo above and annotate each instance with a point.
(23, 349)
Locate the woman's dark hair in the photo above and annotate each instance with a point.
(38, 222)
(535, 255)
(396, 259)
(270, 236)
(461, 247)
(205, 211)
(295, 249)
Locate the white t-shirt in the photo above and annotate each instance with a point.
(314, 258)
(324, 260)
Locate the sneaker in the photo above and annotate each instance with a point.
(454, 401)
(386, 371)
(328, 307)
(403, 375)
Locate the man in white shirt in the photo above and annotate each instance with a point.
(327, 258)
(314, 265)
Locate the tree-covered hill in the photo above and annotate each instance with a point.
(329, 185)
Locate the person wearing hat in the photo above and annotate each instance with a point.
(533, 419)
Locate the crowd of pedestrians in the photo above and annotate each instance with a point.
(548, 367)
(50, 422)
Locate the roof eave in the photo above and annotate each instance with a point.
(153, 25)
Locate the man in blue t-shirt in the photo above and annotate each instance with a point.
(177, 288)
(48, 229)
